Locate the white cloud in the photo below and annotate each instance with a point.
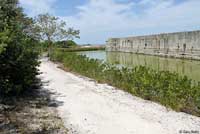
(35, 7)
(101, 19)
(98, 17)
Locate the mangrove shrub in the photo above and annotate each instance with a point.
(18, 58)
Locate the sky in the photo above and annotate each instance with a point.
(99, 20)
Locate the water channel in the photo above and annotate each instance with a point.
(190, 68)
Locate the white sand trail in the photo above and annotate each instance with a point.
(91, 108)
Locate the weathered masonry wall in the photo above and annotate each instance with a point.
(181, 44)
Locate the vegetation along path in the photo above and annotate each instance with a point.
(87, 107)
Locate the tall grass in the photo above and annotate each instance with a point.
(169, 89)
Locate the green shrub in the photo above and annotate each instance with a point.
(65, 44)
(18, 58)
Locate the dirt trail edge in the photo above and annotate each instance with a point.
(87, 107)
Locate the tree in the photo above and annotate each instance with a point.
(66, 43)
(18, 58)
(53, 29)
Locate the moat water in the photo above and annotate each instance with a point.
(190, 68)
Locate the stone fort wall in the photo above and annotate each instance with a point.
(180, 44)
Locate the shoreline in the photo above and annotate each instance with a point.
(115, 111)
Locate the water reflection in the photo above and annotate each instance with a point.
(183, 67)
(101, 55)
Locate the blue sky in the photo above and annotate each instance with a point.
(99, 20)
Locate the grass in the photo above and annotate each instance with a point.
(164, 87)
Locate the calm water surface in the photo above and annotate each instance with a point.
(189, 68)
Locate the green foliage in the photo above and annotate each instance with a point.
(164, 87)
(4, 39)
(65, 44)
(18, 58)
(52, 28)
(42, 47)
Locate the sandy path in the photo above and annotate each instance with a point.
(91, 108)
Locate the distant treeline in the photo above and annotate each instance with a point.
(69, 46)
(81, 48)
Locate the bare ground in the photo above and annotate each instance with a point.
(33, 113)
